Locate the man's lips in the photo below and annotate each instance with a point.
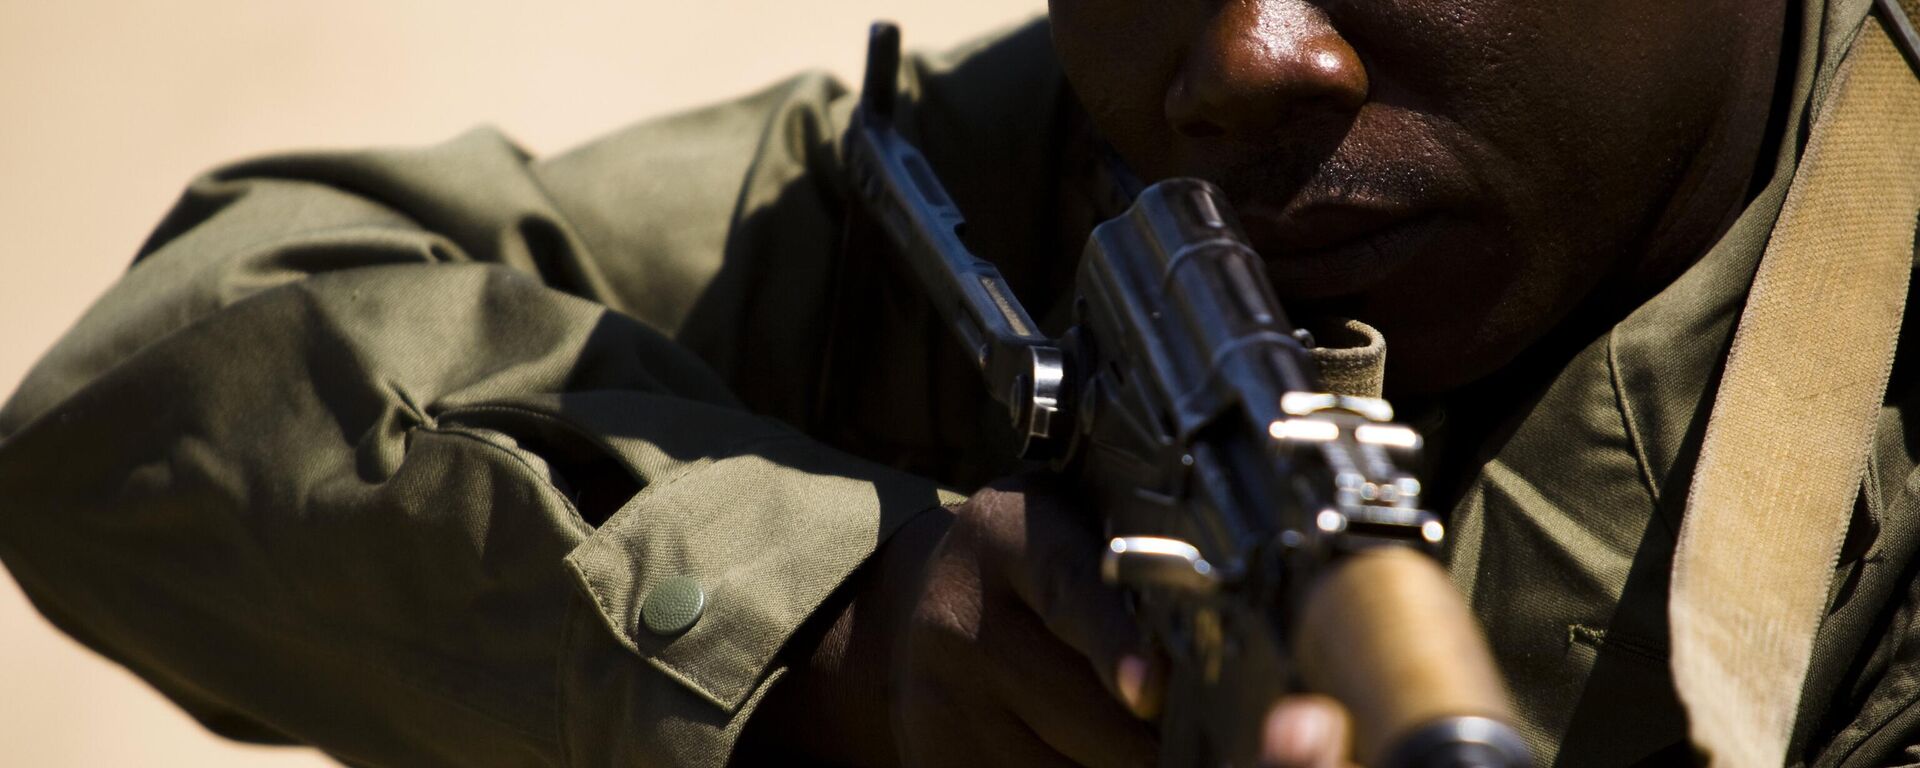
(1356, 216)
(1310, 225)
(1325, 249)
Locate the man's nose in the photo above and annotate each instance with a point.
(1258, 65)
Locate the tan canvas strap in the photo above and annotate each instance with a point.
(1785, 449)
(1900, 19)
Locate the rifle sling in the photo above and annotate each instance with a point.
(1786, 445)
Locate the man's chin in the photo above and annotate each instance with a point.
(1444, 299)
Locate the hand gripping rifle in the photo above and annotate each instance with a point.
(1266, 529)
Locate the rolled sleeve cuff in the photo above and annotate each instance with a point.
(759, 536)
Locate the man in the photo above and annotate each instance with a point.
(455, 457)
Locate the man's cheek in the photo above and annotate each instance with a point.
(1127, 107)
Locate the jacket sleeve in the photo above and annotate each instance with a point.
(357, 454)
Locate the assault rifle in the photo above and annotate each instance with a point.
(1268, 530)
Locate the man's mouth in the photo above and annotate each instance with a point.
(1321, 248)
(1319, 221)
(1338, 224)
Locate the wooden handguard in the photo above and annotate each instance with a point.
(1388, 635)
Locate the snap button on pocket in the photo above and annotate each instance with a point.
(673, 606)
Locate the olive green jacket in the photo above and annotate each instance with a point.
(428, 457)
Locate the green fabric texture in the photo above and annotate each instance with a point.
(363, 451)
(386, 451)
(1565, 541)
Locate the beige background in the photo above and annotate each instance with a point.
(107, 108)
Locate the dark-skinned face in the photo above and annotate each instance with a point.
(1462, 174)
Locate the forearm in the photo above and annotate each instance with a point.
(834, 702)
(311, 468)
